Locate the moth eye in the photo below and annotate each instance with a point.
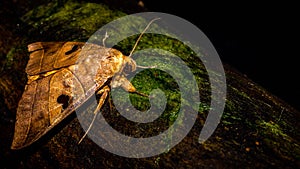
(64, 100)
(74, 48)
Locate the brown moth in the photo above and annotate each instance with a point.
(49, 95)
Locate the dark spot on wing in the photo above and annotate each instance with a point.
(64, 100)
(74, 48)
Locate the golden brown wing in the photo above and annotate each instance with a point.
(44, 103)
(61, 77)
(51, 97)
(48, 56)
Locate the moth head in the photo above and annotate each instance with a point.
(130, 62)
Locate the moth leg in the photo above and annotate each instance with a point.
(104, 91)
(126, 85)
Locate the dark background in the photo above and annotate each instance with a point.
(257, 39)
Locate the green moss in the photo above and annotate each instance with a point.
(278, 141)
(273, 129)
(240, 92)
(148, 80)
(70, 20)
(10, 58)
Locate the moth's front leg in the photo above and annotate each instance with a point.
(122, 81)
(104, 91)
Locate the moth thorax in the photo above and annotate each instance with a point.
(110, 65)
(115, 60)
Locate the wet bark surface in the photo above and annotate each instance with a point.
(257, 129)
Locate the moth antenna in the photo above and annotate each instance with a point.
(105, 37)
(88, 128)
(137, 41)
(145, 67)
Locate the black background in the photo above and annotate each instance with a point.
(259, 40)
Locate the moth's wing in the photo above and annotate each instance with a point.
(51, 97)
(48, 56)
(46, 102)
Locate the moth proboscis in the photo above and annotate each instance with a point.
(49, 98)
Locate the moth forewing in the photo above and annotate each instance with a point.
(40, 107)
(53, 92)
(48, 56)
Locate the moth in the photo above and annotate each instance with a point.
(49, 95)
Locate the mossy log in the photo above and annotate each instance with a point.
(257, 129)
